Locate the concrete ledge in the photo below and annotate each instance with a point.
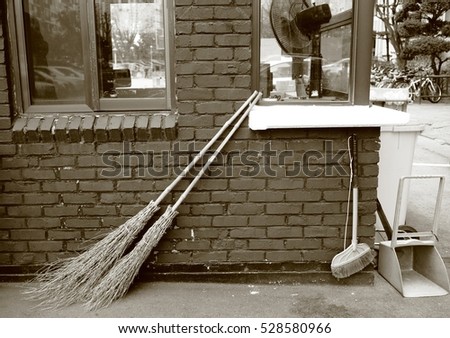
(263, 273)
(98, 128)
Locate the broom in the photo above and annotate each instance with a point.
(357, 256)
(70, 280)
(118, 280)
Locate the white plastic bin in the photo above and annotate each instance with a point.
(396, 158)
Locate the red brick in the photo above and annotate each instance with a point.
(163, 258)
(209, 256)
(207, 209)
(10, 199)
(284, 256)
(230, 221)
(246, 209)
(283, 208)
(303, 244)
(37, 149)
(12, 223)
(45, 246)
(96, 186)
(27, 234)
(32, 130)
(87, 128)
(45, 129)
(303, 195)
(247, 184)
(77, 174)
(285, 232)
(246, 256)
(74, 129)
(10, 175)
(248, 233)
(13, 246)
(190, 222)
(60, 128)
(59, 186)
(18, 130)
(118, 198)
(64, 235)
(266, 220)
(265, 244)
(76, 148)
(29, 258)
(82, 223)
(60, 161)
(99, 210)
(266, 196)
(56, 211)
(100, 126)
(320, 231)
(114, 128)
(38, 174)
(193, 245)
(41, 198)
(24, 211)
(321, 208)
(44, 223)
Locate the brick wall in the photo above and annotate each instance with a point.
(261, 208)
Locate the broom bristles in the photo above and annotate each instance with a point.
(71, 280)
(118, 280)
(351, 260)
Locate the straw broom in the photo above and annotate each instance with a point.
(357, 256)
(118, 280)
(70, 280)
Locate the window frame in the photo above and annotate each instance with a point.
(92, 100)
(360, 55)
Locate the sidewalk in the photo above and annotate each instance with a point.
(213, 300)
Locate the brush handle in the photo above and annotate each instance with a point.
(213, 156)
(205, 149)
(355, 191)
(355, 160)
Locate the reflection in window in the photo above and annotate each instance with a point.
(305, 50)
(54, 51)
(131, 49)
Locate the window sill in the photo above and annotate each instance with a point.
(94, 128)
(289, 116)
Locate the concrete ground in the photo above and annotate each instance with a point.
(187, 300)
(212, 300)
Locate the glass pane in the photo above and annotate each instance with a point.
(54, 51)
(130, 44)
(302, 58)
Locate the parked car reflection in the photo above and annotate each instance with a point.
(336, 76)
(68, 83)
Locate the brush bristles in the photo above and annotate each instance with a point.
(118, 280)
(71, 280)
(351, 261)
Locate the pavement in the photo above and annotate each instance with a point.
(219, 300)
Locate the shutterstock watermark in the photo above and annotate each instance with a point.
(265, 161)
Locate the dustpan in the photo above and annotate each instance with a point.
(410, 261)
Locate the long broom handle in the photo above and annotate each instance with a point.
(204, 150)
(213, 156)
(355, 193)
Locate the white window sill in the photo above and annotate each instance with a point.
(300, 116)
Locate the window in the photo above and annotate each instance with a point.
(101, 55)
(305, 50)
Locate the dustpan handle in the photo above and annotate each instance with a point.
(213, 156)
(205, 149)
